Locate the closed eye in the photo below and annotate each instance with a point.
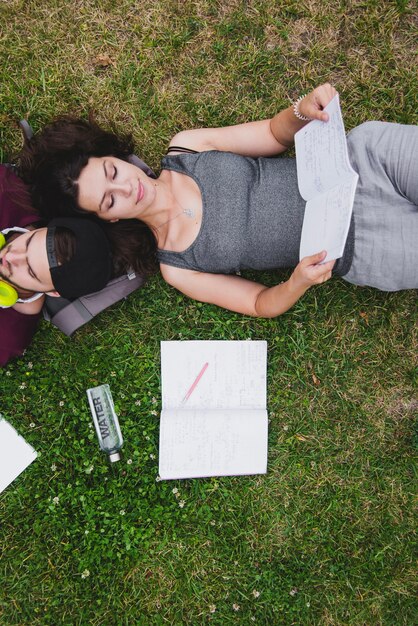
(31, 272)
(115, 172)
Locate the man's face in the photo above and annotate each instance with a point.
(24, 262)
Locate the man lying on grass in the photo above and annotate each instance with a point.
(70, 257)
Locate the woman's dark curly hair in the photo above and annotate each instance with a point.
(50, 163)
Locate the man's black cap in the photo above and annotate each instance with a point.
(90, 268)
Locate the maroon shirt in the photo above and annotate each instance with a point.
(16, 329)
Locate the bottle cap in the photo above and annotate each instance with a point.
(115, 456)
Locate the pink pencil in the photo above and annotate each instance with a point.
(193, 387)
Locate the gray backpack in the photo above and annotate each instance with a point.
(69, 315)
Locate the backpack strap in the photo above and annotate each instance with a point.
(26, 129)
(135, 160)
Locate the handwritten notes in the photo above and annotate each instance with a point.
(15, 454)
(327, 182)
(221, 429)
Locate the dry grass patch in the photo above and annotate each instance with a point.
(305, 35)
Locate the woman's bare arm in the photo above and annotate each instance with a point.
(245, 296)
(261, 138)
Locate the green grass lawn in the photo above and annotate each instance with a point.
(327, 536)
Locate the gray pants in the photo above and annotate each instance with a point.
(385, 206)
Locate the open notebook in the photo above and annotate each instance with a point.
(15, 454)
(327, 182)
(214, 418)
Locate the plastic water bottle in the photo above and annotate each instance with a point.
(105, 421)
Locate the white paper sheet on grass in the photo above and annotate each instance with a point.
(327, 182)
(221, 429)
(15, 454)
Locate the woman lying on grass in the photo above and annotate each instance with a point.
(219, 206)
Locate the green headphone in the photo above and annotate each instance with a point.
(8, 294)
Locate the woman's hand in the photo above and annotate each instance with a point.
(309, 271)
(285, 124)
(313, 103)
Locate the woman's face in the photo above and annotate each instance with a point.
(114, 189)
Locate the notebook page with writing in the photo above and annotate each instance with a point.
(327, 221)
(235, 376)
(214, 420)
(15, 456)
(328, 183)
(200, 443)
(321, 153)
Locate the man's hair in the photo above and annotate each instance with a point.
(65, 243)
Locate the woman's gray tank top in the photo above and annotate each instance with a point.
(252, 214)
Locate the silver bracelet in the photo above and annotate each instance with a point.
(296, 104)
